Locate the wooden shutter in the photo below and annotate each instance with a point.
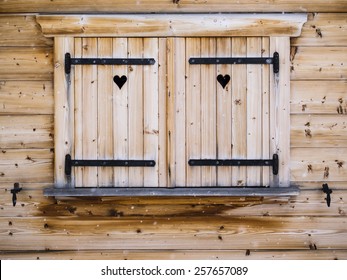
(113, 121)
(245, 119)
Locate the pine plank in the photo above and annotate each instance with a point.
(26, 97)
(323, 29)
(26, 63)
(318, 131)
(162, 111)
(21, 30)
(135, 111)
(158, 254)
(193, 116)
(176, 233)
(180, 112)
(136, 6)
(183, 25)
(266, 119)
(208, 112)
(318, 164)
(105, 112)
(170, 104)
(120, 113)
(63, 110)
(310, 202)
(23, 132)
(224, 115)
(90, 111)
(239, 111)
(151, 112)
(308, 63)
(26, 165)
(281, 112)
(254, 111)
(77, 151)
(318, 97)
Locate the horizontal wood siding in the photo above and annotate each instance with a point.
(160, 6)
(300, 227)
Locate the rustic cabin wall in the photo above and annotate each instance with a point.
(302, 227)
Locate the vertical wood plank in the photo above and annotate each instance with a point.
(90, 111)
(280, 110)
(63, 123)
(254, 111)
(239, 110)
(120, 113)
(266, 111)
(176, 112)
(78, 115)
(224, 140)
(171, 154)
(162, 91)
(193, 104)
(105, 112)
(180, 112)
(208, 112)
(135, 111)
(151, 112)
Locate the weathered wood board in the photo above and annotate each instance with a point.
(23, 132)
(26, 97)
(133, 6)
(26, 63)
(198, 232)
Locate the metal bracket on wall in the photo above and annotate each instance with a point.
(327, 191)
(105, 61)
(69, 163)
(238, 162)
(275, 60)
(16, 189)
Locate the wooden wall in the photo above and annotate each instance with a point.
(302, 227)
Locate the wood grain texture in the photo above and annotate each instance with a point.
(21, 30)
(205, 232)
(310, 202)
(318, 131)
(26, 165)
(105, 112)
(26, 98)
(308, 63)
(135, 6)
(318, 164)
(160, 25)
(26, 63)
(323, 29)
(319, 97)
(307, 254)
(23, 132)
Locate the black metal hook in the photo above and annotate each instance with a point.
(327, 191)
(16, 189)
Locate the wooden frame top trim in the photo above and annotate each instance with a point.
(172, 25)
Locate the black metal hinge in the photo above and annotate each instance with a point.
(69, 163)
(239, 60)
(105, 61)
(238, 162)
(327, 191)
(16, 189)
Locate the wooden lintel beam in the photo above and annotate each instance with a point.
(172, 25)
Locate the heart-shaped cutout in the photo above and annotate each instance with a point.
(120, 81)
(223, 80)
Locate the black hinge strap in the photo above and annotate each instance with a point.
(69, 163)
(239, 60)
(105, 61)
(238, 162)
(327, 191)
